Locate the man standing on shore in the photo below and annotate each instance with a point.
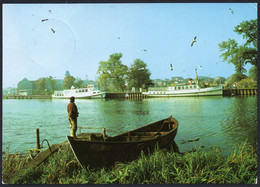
(73, 114)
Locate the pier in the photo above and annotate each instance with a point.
(26, 96)
(239, 92)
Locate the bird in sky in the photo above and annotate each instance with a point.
(143, 50)
(171, 67)
(118, 38)
(49, 11)
(199, 66)
(231, 11)
(44, 20)
(52, 30)
(194, 40)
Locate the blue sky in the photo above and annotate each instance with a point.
(76, 37)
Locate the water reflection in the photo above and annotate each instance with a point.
(240, 122)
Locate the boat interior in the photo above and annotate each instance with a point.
(145, 133)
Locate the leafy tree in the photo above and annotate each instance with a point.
(246, 53)
(69, 81)
(253, 73)
(50, 84)
(102, 82)
(138, 74)
(113, 71)
(247, 83)
(40, 85)
(78, 83)
(233, 79)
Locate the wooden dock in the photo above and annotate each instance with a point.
(239, 92)
(26, 97)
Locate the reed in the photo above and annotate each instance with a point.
(159, 167)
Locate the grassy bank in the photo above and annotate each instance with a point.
(161, 167)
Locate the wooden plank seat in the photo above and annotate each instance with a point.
(147, 133)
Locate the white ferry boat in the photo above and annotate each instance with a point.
(80, 93)
(187, 90)
(184, 90)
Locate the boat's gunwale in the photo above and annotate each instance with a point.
(131, 142)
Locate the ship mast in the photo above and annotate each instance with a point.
(197, 79)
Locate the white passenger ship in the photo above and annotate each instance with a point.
(188, 90)
(184, 90)
(80, 93)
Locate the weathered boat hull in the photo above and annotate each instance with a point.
(124, 147)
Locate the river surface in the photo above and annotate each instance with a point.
(216, 121)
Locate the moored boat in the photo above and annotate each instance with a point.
(80, 93)
(191, 89)
(185, 90)
(99, 150)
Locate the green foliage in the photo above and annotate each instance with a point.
(160, 167)
(246, 53)
(69, 81)
(51, 84)
(40, 85)
(113, 71)
(253, 73)
(234, 79)
(78, 83)
(138, 74)
(247, 83)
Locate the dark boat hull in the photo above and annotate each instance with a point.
(124, 147)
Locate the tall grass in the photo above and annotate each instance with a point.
(160, 167)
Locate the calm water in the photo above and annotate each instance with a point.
(216, 121)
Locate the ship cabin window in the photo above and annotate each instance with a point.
(86, 90)
(94, 92)
(179, 87)
(187, 87)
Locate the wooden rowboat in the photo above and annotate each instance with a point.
(96, 149)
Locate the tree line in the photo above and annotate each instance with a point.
(113, 76)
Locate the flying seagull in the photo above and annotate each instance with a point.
(49, 11)
(52, 30)
(231, 11)
(199, 66)
(44, 20)
(143, 50)
(194, 40)
(171, 67)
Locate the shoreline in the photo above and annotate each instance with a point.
(161, 167)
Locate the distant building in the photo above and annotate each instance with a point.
(26, 87)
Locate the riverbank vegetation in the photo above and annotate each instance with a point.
(160, 167)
